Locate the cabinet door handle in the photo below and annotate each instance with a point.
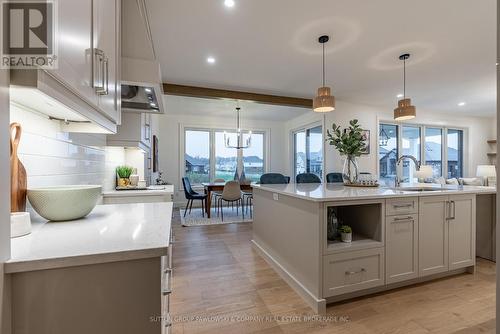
(148, 132)
(454, 207)
(105, 71)
(168, 289)
(98, 72)
(402, 219)
(362, 270)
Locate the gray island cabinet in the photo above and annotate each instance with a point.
(400, 237)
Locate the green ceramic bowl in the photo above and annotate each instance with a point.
(64, 202)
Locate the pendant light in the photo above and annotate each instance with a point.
(324, 101)
(383, 137)
(405, 110)
(239, 135)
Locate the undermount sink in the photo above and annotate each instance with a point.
(419, 189)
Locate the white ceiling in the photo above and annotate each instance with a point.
(270, 46)
(226, 108)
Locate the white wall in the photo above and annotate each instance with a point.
(4, 199)
(169, 143)
(479, 130)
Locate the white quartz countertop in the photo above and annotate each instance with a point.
(151, 191)
(117, 232)
(339, 192)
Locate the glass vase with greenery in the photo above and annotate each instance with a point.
(350, 143)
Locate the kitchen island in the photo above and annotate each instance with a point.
(400, 236)
(109, 272)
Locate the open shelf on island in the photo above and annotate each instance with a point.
(358, 242)
(366, 221)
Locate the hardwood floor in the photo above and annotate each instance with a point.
(223, 286)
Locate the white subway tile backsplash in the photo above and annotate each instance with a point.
(53, 158)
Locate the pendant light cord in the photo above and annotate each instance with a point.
(404, 78)
(323, 64)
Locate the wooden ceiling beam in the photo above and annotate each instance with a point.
(212, 93)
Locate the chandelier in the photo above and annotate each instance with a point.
(241, 142)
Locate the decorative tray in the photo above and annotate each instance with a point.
(131, 188)
(361, 185)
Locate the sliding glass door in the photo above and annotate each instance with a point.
(308, 150)
(455, 153)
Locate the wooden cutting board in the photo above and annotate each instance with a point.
(18, 180)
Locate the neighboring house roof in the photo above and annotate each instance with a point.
(196, 161)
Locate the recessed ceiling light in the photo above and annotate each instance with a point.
(229, 3)
(496, 64)
(211, 60)
(461, 104)
(399, 96)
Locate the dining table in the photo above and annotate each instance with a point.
(210, 187)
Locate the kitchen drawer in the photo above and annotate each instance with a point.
(352, 271)
(401, 206)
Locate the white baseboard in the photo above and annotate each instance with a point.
(318, 305)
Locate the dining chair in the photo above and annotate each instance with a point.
(307, 178)
(334, 178)
(273, 178)
(218, 192)
(192, 195)
(230, 194)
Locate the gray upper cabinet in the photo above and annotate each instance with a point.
(107, 56)
(75, 48)
(86, 85)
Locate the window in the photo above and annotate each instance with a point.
(439, 147)
(253, 158)
(388, 152)
(410, 146)
(197, 156)
(434, 150)
(226, 159)
(207, 158)
(308, 151)
(455, 152)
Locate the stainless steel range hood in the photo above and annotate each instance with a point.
(141, 86)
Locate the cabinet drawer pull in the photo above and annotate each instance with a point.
(399, 206)
(403, 219)
(362, 270)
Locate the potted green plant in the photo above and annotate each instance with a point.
(350, 143)
(345, 233)
(123, 175)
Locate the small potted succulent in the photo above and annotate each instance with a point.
(123, 175)
(345, 233)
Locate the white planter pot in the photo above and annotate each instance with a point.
(346, 237)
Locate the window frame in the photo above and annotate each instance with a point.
(212, 130)
(305, 128)
(444, 144)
